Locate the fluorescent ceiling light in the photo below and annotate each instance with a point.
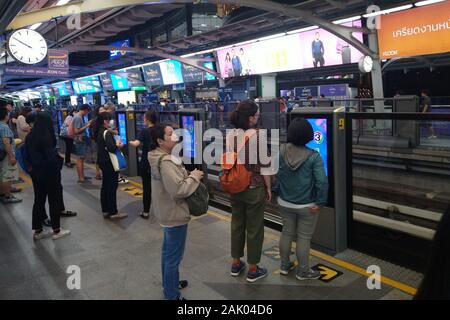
(303, 30)
(35, 26)
(347, 20)
(272, 36)
(378, 13)
(62, 2)
(427, 2)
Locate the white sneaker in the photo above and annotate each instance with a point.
(62, 233)
(41, 235)
(122, 180)
(119, 216)
(432, 137)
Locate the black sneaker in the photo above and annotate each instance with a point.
(256, 275)
(237, 269)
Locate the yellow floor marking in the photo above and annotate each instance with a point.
(341, 263)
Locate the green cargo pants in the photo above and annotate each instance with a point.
(248, 220)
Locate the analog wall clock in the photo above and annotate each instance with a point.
(27, 46)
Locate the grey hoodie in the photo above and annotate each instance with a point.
(171, 185)
(294, 156)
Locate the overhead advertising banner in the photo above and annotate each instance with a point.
(36, 72)
(414, 32)
(153, 76)
(311, 49)
(193, 74)
(134, 77)
(106, 82)
(63, 89)
(119, 82)
(87, 85)
(58, 59)
(171, 72)
(305, 92)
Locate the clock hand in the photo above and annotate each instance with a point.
(23, 43)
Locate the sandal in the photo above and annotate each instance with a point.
(68, 213)
(144, 215)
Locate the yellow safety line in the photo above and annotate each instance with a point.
(25, 178)
(338, 262)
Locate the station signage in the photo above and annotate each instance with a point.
(415, 32)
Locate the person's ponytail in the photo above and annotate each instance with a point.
(241, 116)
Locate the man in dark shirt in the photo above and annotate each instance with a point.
(318, 51)
(426, 108)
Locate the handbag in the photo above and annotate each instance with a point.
(198, 201)
(117, 158)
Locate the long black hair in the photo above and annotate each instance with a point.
(42, 137)
(436, 283)
(98, 124)
(240, 117)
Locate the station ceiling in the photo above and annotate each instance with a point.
(97, 28)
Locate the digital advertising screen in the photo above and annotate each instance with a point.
(188, 123)
(171, 72)
(153, 76)
(63, 89)
(60, 121)
(134, 77)
(87, 85)
(119, 82)
(193, 74)
(310, 49)
(122, 127)
(86, 120)
(140, 124)
(117, 54)
(320, 141)
(106, 82)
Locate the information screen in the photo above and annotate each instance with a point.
(188, 123)
(320, 141)
(122, 126)
(60, 122)
(171, 72)
(117, 54)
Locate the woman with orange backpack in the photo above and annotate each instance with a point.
(249, 188)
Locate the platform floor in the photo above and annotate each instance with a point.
(121, 260)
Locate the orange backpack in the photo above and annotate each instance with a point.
(235, 178)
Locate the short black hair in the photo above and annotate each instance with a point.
(158, 132)
(426, 91)
(3, 113)
(300, 132)
(151, 116)
(38, 105)
(85, 107)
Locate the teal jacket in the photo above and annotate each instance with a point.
(301, 177)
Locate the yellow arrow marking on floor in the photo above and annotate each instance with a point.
(327, 272)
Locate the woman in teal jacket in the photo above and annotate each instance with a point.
(302, 188)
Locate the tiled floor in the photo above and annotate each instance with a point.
(121, 260)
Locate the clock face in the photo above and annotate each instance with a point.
(368, 64)
(27, 46)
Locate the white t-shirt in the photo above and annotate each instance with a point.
(22, 128)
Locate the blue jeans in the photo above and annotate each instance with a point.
(172, 254)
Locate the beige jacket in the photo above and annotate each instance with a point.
(170, 187)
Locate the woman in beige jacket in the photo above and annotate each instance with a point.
(171, 185)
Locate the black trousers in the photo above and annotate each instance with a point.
(69, 148)
(147, 186)
(110, 183)
(47, 186)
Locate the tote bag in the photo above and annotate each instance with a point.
(117, 158)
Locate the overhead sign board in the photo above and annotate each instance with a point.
(415, 32)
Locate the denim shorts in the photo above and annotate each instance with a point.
(80, 149)
(8, 173)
